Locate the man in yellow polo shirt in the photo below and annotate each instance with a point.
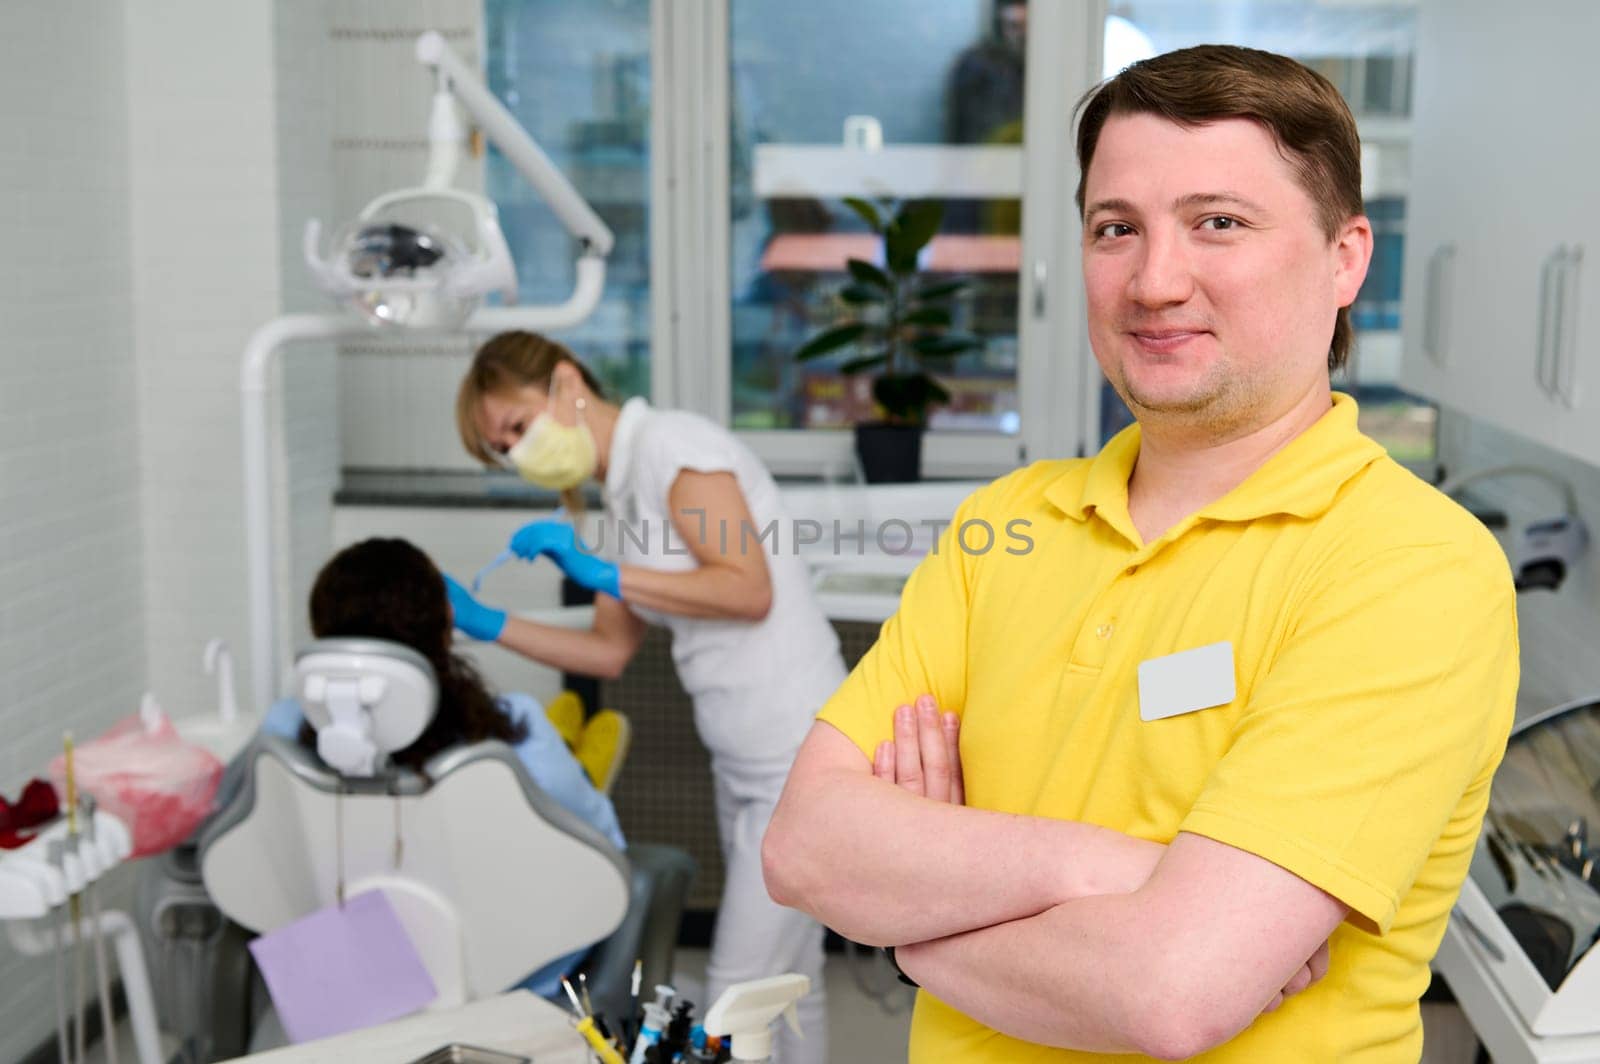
(1223, 703)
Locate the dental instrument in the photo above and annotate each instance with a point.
(102, 976)
(508, 554)
(572, 996)
(656, 1018)
(597, 1045)
(58, 858)
(629, 1021)
(75, 904)
(499, 559)
(675, 1039)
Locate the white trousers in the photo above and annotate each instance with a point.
(755, 937)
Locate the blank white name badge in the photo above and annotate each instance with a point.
(1186, 681)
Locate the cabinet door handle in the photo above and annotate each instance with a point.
(1567, 336)
(1041, 274)
(1544, 366)
(1435, 331)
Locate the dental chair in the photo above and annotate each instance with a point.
(489, 876)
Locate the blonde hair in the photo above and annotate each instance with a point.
(505, 363)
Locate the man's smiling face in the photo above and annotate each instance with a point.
(1212, 287)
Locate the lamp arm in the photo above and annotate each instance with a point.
(507, 133)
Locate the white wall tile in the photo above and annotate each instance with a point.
(307, 180)
(158, 189)
(396, 395)
(71, 594)
(205, 244)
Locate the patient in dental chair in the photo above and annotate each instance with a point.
(388, 589)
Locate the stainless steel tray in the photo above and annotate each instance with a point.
(456, 1053)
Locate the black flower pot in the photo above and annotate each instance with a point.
(890, 454)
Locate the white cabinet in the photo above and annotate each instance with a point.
(1502, 308)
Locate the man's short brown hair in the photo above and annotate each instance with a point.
(1302, 110)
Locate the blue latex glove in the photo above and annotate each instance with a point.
(471, 616)
(558, 541)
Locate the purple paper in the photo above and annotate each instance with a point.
(341, 969)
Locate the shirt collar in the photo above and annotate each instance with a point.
(619, 463)
(1302, 478)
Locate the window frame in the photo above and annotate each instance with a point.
(1057, 384)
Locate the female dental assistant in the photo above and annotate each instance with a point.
(751, 645)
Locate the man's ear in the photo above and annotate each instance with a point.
(1352, 255)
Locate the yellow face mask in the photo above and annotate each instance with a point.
(553, 455)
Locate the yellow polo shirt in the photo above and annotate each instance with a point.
(1373, 631)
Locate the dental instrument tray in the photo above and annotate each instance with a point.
(456, 1053)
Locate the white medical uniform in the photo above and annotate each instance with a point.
(756, 685)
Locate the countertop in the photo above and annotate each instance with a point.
(447, 489)
(505, 489)
(517, 1022)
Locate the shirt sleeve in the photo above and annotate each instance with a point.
(559, 774)
(1377, 727)
(921, 649)
(283, 719)
(675, 441)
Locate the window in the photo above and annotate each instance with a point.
(576, 73)
(922, 100)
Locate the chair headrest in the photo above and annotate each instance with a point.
(366, 698)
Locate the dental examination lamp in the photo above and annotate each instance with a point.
(397, 266)
(1542, 551)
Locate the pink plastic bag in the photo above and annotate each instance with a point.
(150, 779)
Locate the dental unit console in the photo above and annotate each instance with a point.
(49, 877)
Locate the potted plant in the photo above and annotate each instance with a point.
(899, 324)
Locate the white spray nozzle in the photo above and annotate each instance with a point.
(746, 1011)
(219, 663)
(150, 714)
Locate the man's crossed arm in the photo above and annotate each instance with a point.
(1051, 931)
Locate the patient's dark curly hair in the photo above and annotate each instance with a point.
(388, 589)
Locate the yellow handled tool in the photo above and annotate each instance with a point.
(602, 1048)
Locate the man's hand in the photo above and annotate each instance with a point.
(924, 758)
(1310, 972)
(925, 754)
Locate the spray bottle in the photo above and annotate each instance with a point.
(746, 1011)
